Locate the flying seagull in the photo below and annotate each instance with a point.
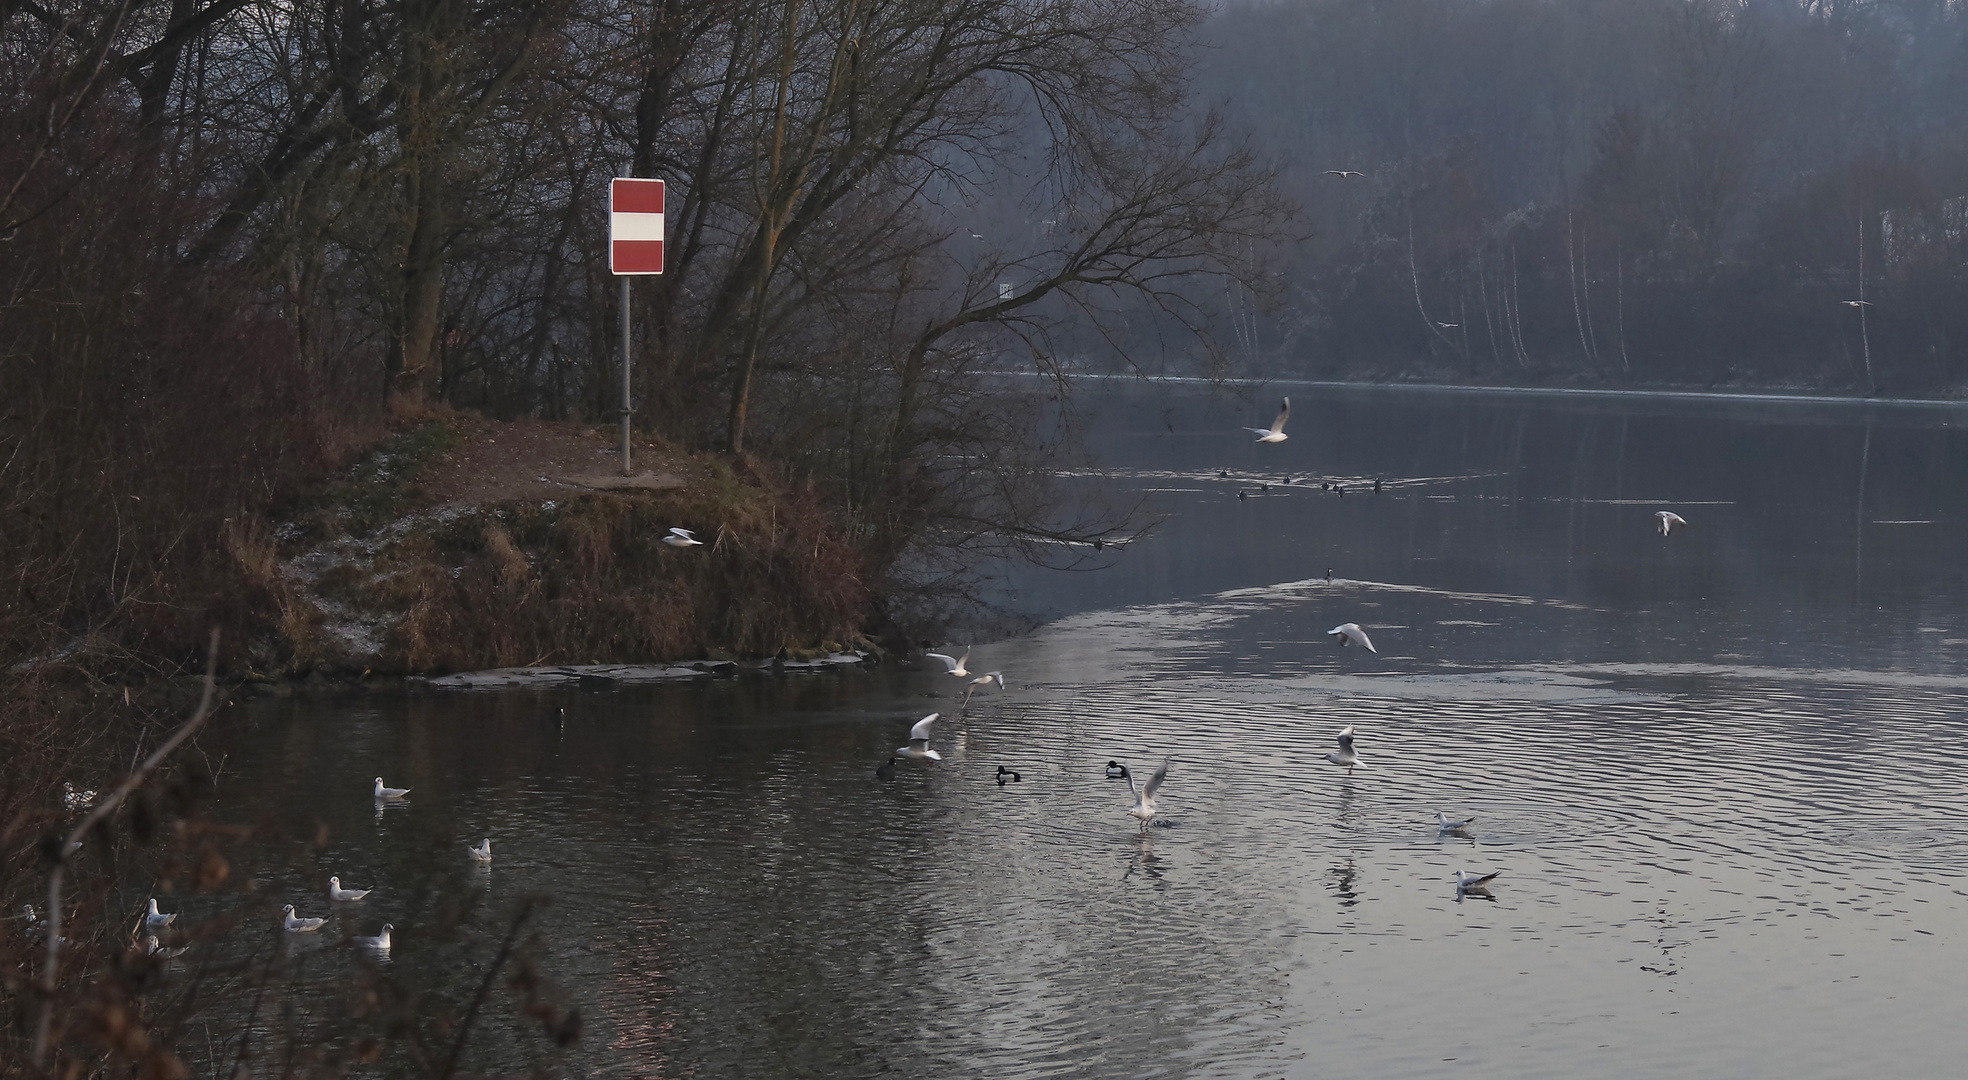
(918, 748)
(389, 794)
(347, 896)
(296, 924)
(1448, 325)
(1453, 826)
(1345, 755)
(1348, 631)
(951, 664)
(1668, 520)
(483, 852)
(1856, 303)
(682, 538)
(1276, 432)
(1144, 798)
(985, 679)
(1344, 173)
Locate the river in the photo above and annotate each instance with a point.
(1720, 771)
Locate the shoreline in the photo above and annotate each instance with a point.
(1764, 397)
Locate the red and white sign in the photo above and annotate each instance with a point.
(635, 226)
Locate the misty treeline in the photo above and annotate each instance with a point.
(238, 236)
(1683, 191)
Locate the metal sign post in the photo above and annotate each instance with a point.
(635, 247)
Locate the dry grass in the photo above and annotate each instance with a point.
(591, 580)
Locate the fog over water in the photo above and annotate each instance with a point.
(1720, 771)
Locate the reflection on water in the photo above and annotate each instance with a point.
(1723, 772)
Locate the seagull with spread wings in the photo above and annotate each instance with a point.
(1276, 432)
(918, 748)
(1144, 797)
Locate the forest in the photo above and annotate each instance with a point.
(1631, 192)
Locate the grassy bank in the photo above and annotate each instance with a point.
(413, 562)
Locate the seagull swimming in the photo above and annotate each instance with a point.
(1668, 520)
(336, 892)
(483, 852)
(155, 918)
(296, 924)
(1350, 631)
(1144, 799)
(389, 794)
(1345, 755)
(1468, 882)
(918, 748)
(951, 664)
(1453, 826)
(1276, 432)
(682, 538)
(984, 680)
(1116, 770)
(380, 943)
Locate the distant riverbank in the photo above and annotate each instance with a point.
(1772, 395)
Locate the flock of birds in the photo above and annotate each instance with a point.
(1143, 808)
(155, 922)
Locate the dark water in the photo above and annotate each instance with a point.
(1722, 772)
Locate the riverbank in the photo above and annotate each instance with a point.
(462, 543)
(1957, 399)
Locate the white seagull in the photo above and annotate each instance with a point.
(1856, 303)
(918, 748)
(380, 943)
(952, 664)
(1452, 826)
(1668, 520)
(1345, 755)
(296, 924)
(1343, 173)
(1144, 799)
(483, 852)
(155, 918)
(336, 892)
(1350, 631)
(682, 538)
(389, 794)
(1276, 432)
(1468, 882)
(985, 679)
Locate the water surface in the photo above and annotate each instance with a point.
(1721, 771)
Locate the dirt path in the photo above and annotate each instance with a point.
(542, 459)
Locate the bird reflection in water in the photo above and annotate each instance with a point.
(1145, 860)
(1344, 874)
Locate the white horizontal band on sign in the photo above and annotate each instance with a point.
(635, 226)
